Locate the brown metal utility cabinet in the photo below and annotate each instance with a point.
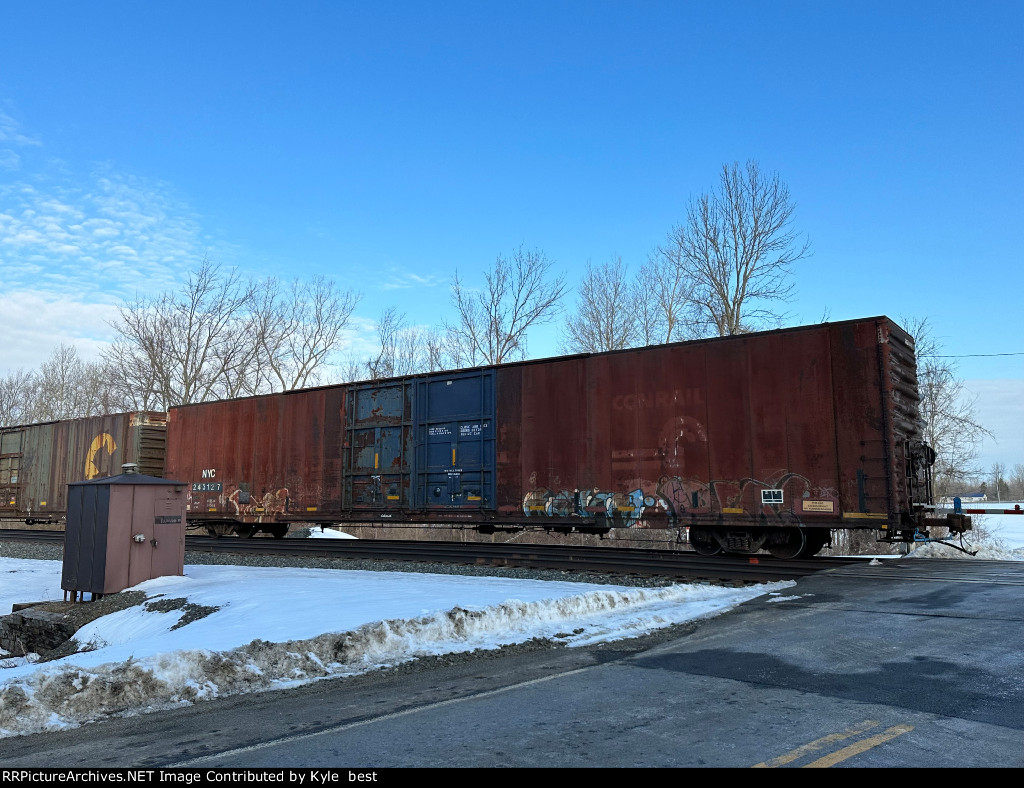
(121, 531)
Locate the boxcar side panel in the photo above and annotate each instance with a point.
(37, 485)
(332, 422)
(795, 425)
(209, 431)
(179, 459)
(268, 488)
(39, 460)
(683, 435)
(261, 459)
(774, 428)
(859, 422)
(509, 437)
(730, 431)
(302, 449)
(454, 429)
(311, 427)
(555, 439)
(768, 398)
(812, 491)
(378, 448)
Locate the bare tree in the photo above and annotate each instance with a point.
(666, 309)
(17, 395)
(223, 336)
(607, 315)
(492, 323)
(64, 387)
(948, 411)
(131, 382)
(1017, 482)
(737, 248)
(349, 370)
(1000, 484)
(453, 350)
(197, 341)
(404, 349)
(413, 351)
(67, 387)
(389, 330)
(434, 354)
(297, 329)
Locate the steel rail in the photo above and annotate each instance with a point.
(31, 535)
(676, 564)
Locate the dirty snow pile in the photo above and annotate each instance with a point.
(221, 630)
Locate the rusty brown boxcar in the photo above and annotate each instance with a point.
(38, 461)
(261, 462)
(759, 441)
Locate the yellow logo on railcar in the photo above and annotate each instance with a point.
(102, 441)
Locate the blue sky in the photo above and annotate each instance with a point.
(390, 144)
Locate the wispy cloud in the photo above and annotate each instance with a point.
(9, 160)
(405, 280)
(72, 246)
(11, 140)
(113, 235)
(11, 133)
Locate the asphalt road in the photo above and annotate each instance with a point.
(915, 663)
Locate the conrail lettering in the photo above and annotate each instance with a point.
(658, 399)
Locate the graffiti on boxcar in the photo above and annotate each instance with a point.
(536, 501)
(553, 504)
(675, 434)
(677, 497)
(746, 494)
(270, 503)
(102, 441)
(772, 497)
(629, 506)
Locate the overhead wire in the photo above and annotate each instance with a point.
(970, 355)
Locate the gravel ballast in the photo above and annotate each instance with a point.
(56, 553)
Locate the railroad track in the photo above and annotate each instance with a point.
(677, 564)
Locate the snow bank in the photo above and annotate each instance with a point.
(161, 654)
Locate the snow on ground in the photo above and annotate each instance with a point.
(193, 638)
(328, 533)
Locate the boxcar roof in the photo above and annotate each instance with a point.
(550, 359)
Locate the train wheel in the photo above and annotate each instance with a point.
(212, 531)
(280, 532)
(815, 541)
(246, 531)
(703, 542)
(787, 543)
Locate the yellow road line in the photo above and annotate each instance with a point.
(799, 752)
(859, 747)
